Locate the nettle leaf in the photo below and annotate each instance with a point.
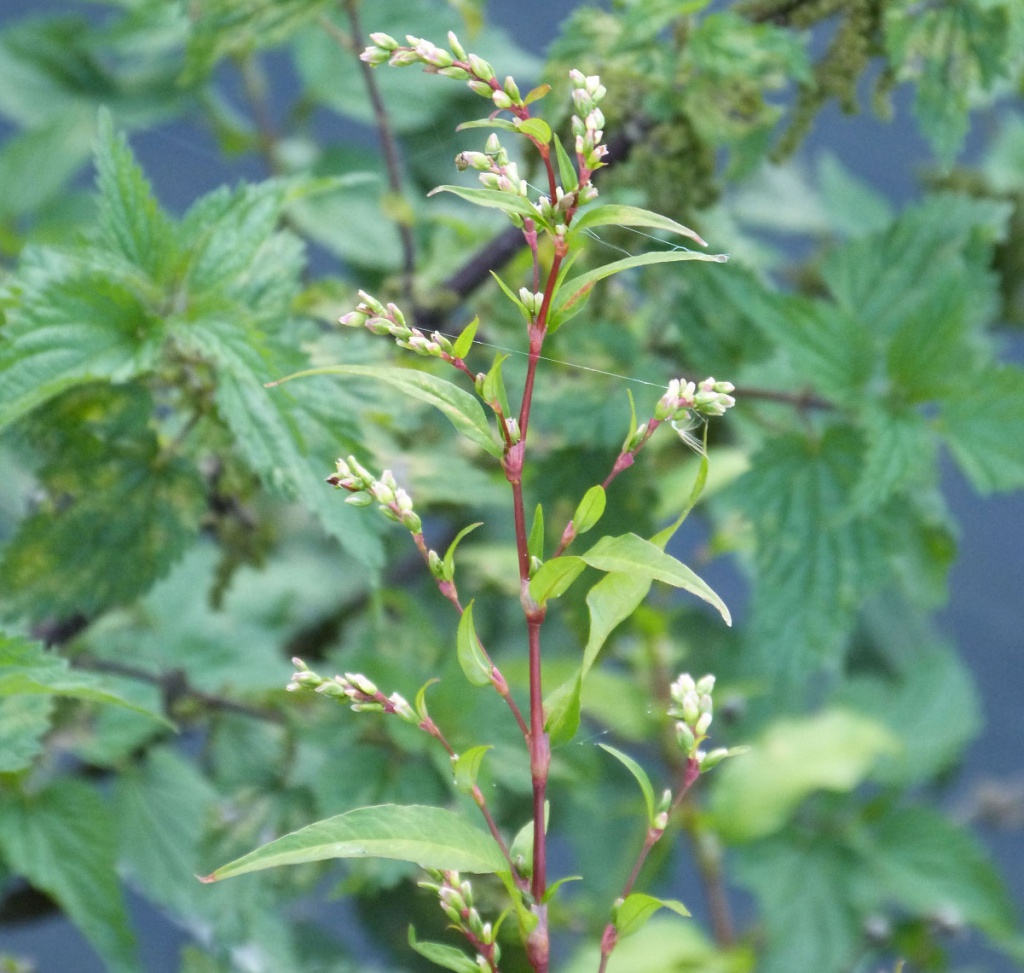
(68, 331)
(430, 837)
(27, 668)
(835, 750)
(573, 294)
(932, 866)
(982, 425)
(900, 455)
(802, 890)
(461, 408)
(122, 525)
(24, 722)
(636, 909)
(631, 554)
(62, 840)
(131, 222)
(953, 54)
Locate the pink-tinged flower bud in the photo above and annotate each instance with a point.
(685, 738)
(384, 40)
(702, 725)
(371, 302)
(375, 56)
(454, 72)
(457, 49)
(705, 685)
(360, 499)
(493, 144)
(481, 88)
(378, 326)
(354, 319)
(403, 58)
(500, 99)
(512, 90)
(411, 522)
(480, 68)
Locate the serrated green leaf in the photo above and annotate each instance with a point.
(535, 540)
(449, 555)
(461, 408)
(27, 668)
(835, 750)
(447, 957)
(24, 721)
(567, 174)
(630, 554)
(62, 841)
(537, 128)
(130, 220)
(66, 332)
(467, 767)
(636, 909)
(462, 344)
(982, 427)
(900, 454)
(573, 293)
(471, 657)
(430, 837)
(590, 509)
(931, 866)
(618, 214)
(555, 577)
(492, 199)
(641, 778)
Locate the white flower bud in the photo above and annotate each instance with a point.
(457, 49)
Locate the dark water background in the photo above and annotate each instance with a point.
(985, 613)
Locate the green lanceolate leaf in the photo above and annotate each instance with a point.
(449, 555)
(503, 124)
(555, 577)
(461, 408)
(616, 214)
(511, 295)
(634, 911)
(62, 841)
(447, 957)
(493, 199)
(834, 750)
(536, 128)
(493, 388)
(567, 174)
(464, 342)
(590, 509)
(430, 837)
(535, 541)
(641, 778)
(467, 768)
(27, 668)
(471, 657)
(633, 555)
(573, 293)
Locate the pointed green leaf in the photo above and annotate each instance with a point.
(467, 768)
(504, 124)
(130, 220)
(62, 841)
(573, 293)
(525, 917)
(590, 509)
(536, 128)
(462, 344)
(536, 94)
(492, 199)
(471, 657)
(633, 555)
(617, 214)
(567, 174)
(430, 837)
(641, 778)
(555, 577)
(461, 408)
(535, 541)
(562, 712)
(421, 699)
(447, 957)
(449, 555)
(27, 668)
(634, 911)
(493, 389)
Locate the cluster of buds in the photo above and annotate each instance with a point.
(710, 398)
(353, 687)
(456, 898)
(365, 488)
(388, 319)
(454, 63)
(692, 709)
(588, 124)
(496, 172)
